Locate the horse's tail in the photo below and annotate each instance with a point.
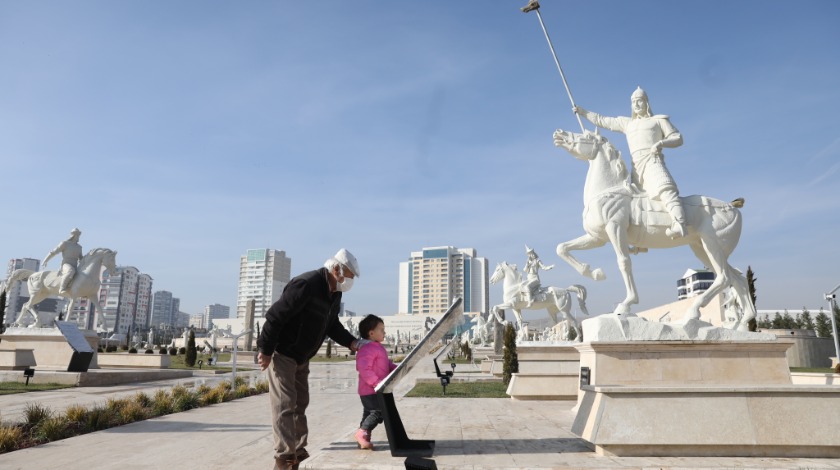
(580, 292)
(739, 203)
(18, 275)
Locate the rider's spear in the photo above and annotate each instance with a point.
(534, 5)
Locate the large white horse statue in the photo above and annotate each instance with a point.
(616, 212)
(45, 284)
(554, 299)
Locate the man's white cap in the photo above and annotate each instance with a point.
(347, 259)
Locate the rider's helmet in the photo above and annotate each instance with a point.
(639, 93)
(530, 252)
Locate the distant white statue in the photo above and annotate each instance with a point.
(71, 254)
(151, 337)
(616, 213)
(531, 286)
(646, 135)
(554, 299)
(482, 330)
(85, 283)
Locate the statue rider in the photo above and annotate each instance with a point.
(71, 254)
(647, 134)
(531, 284)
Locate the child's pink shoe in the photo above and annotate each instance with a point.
(363, 439)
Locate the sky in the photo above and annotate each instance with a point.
(181, 134)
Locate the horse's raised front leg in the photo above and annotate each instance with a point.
(618, 237)
(583, 242)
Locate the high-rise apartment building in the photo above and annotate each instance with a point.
(433, 277)
(125, 296)
(164, 309)
(215, 312)
(17, 294)
(263, 274)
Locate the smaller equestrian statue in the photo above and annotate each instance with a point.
(553, 299)
(85, 283)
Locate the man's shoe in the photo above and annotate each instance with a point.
(301, 454)
(285, 463)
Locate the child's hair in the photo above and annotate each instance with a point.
(368, 324)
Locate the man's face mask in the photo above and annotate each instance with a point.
(346, 284)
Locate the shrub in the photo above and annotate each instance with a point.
(110, 348)
(99, 349)
(99, 418)
(186, 401)
(124, 347)
(10, 437)
(162, 403)
(261, 386)
(76, 413)
(162, 351)
(238, 381)
(179, 390)
(131, 412)
(837, 368)
(34, 413)
(149, 351)
(182, 350)
(53, 429)
(173, 351)
(143, 399)
(132, 351)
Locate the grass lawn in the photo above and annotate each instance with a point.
(821, 370)
(460, 390)
(8, 388)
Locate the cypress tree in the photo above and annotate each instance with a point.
(751, 286)
(2, 311)
(511, 359)
(189, 358)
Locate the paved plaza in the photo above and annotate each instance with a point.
(469, 433)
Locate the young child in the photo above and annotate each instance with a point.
(373, 366)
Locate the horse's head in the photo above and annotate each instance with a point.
(590, 146)
(107, 257)
(584, 146)
(498, 273)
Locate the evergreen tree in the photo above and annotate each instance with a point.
(804, 320)
(191, 354)
(329, 348)
(753, 325)
(764, 323)
(822, 325)
(511, 359)
(2, 311)
(788, 322)
(776, 324)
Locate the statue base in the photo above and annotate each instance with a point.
(701, 398)
(49, 346)
(546, 372)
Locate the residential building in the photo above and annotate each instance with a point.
(694, 282)
(165, 309)
(433, 277)
(125, 299)
(197, 321)
(215, 312)
(263, 274)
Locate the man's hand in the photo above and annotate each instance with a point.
(358, 343)
(263, 360)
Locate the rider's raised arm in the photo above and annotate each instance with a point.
(50, 255)
(615, 124)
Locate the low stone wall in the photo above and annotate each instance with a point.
(808, 350)
(133, 361)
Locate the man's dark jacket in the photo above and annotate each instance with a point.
(306, 313)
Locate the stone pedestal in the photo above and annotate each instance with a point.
(19, 359)
(702, 398)
(48, 345)
(546, 372)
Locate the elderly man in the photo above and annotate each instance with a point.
(646, 135)
(295, 326)
(71, 253)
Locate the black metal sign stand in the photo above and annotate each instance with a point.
(401, 445)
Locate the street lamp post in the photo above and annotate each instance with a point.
(235, 348)
(832, 303)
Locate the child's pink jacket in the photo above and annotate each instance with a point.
(373, 365)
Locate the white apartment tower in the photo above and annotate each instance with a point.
(125, 296)
(215, 312)
(263, 274)
(164, 309)
(433, 277)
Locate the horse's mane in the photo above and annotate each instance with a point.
(614, 157)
